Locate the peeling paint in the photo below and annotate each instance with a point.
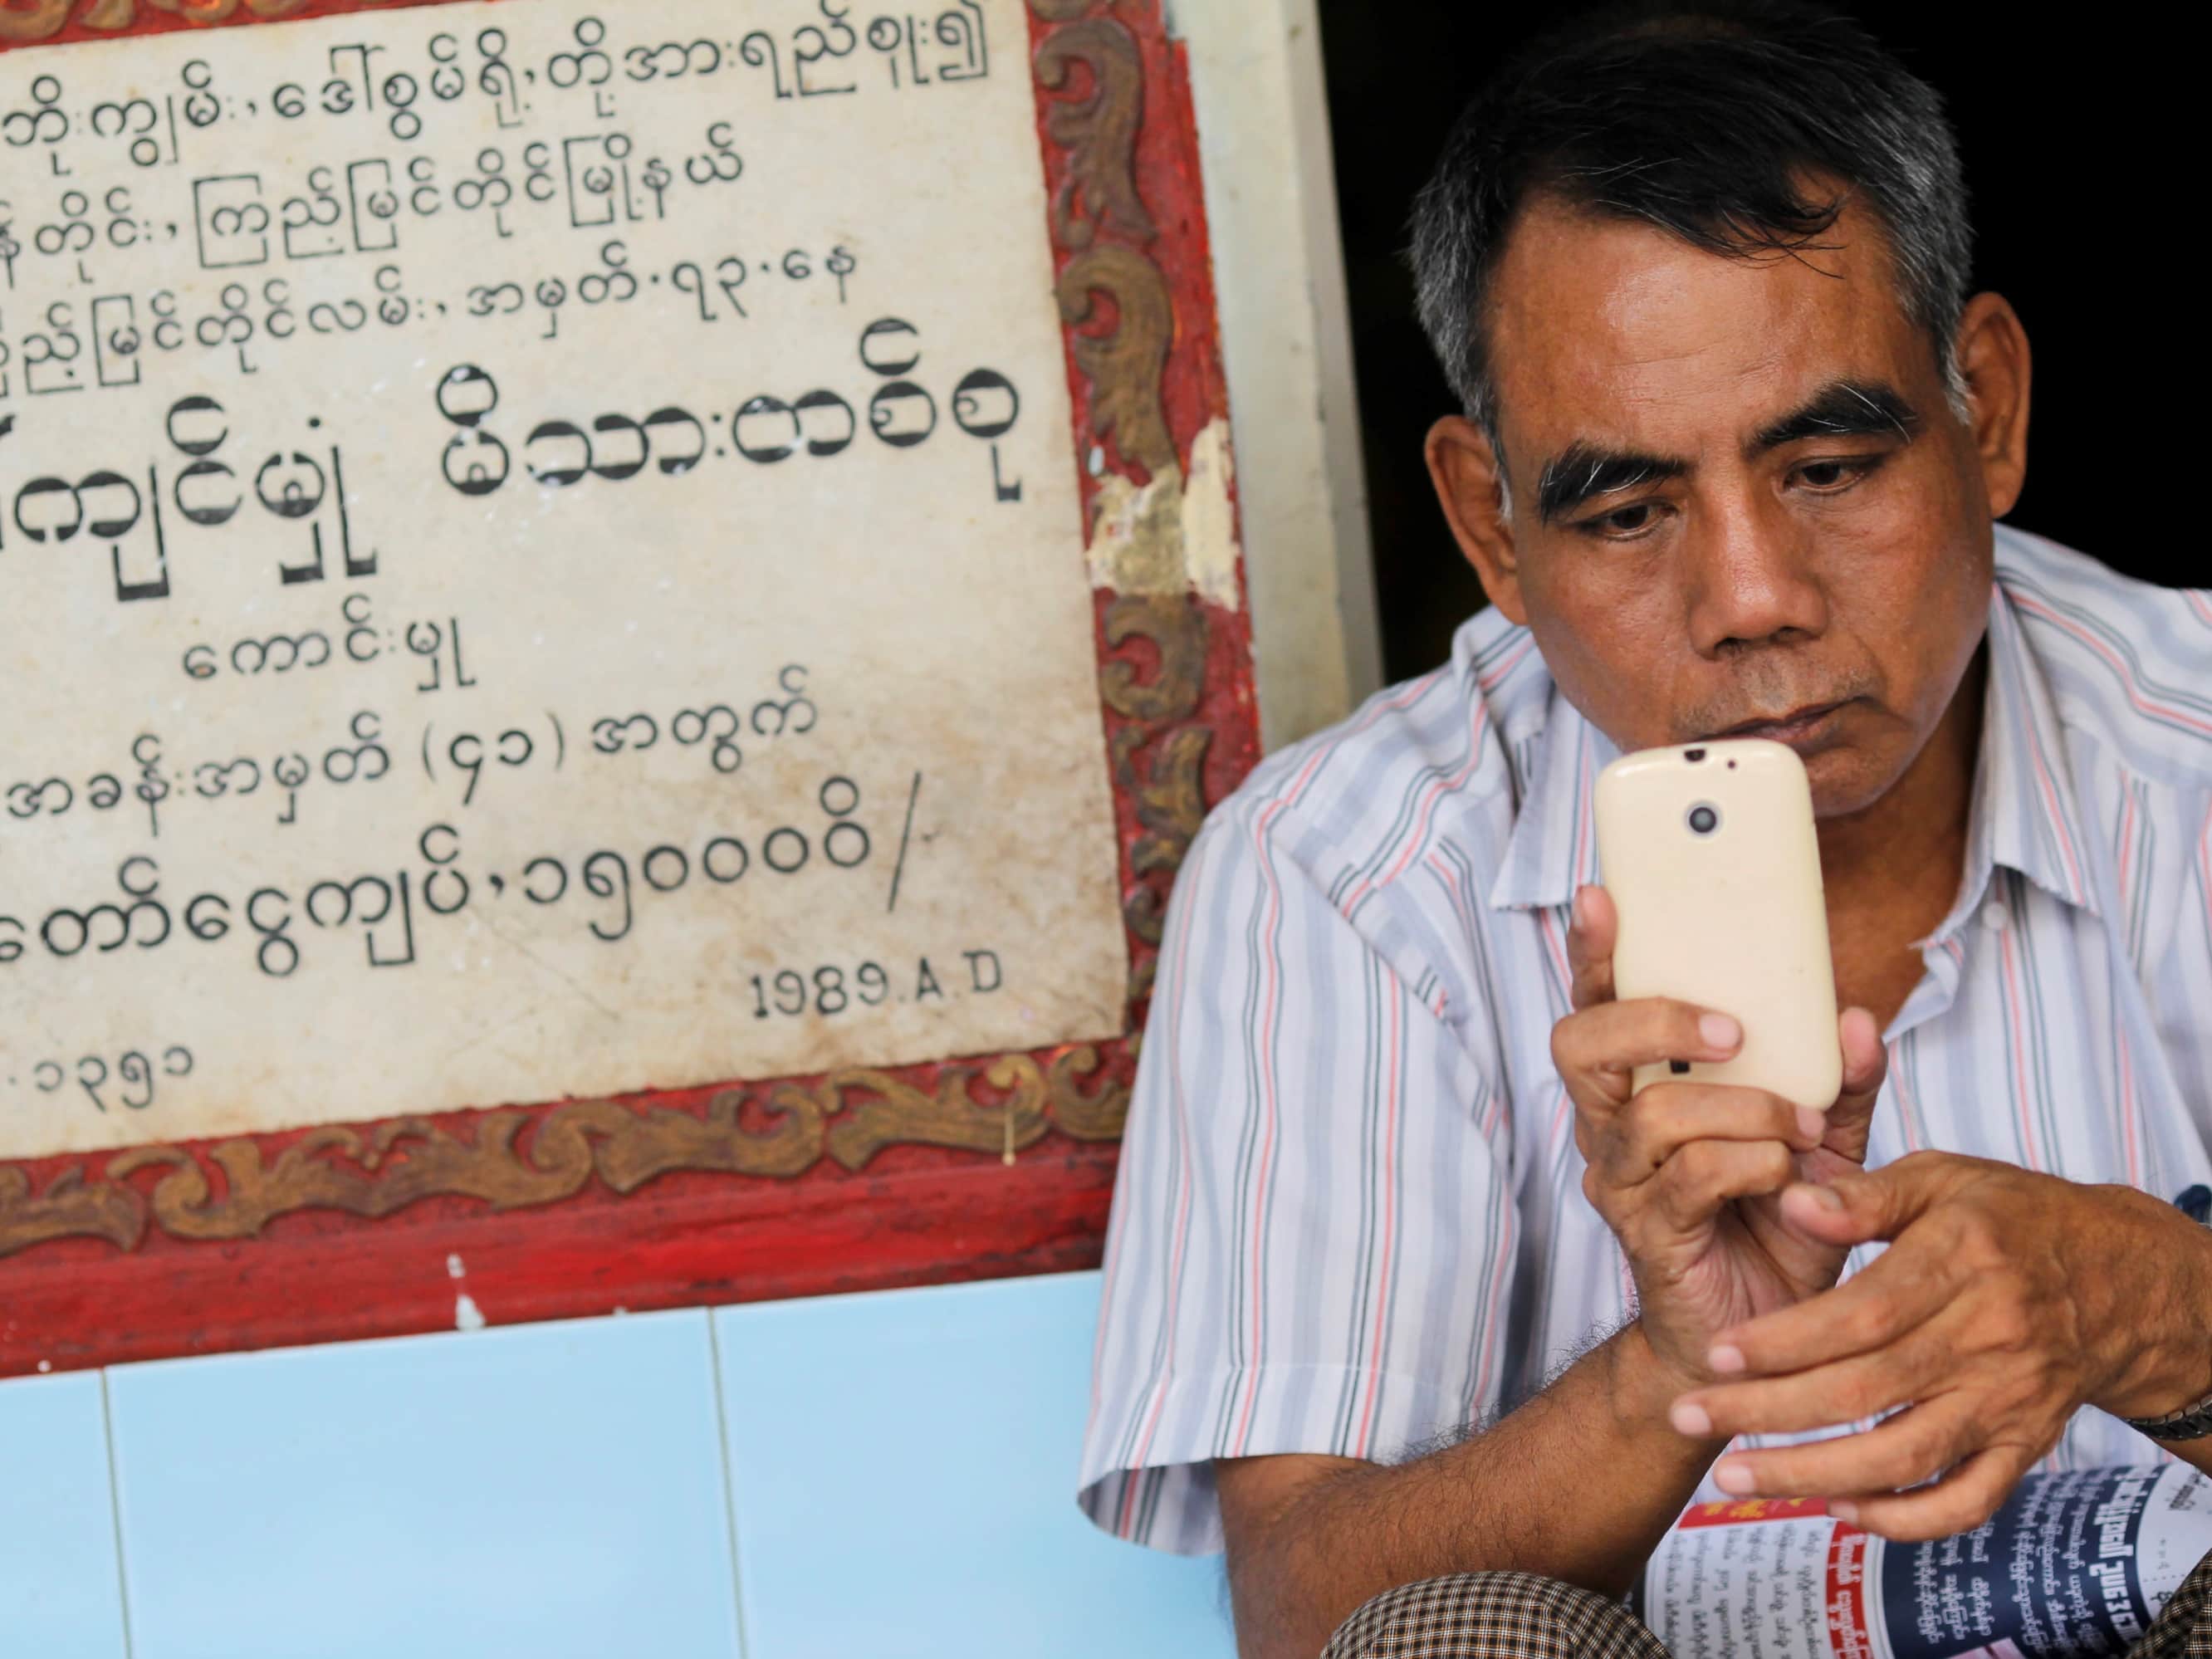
(467, 1316)
(1174, 534)
(1209, 517)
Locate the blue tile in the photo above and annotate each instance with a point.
(60, 1595)
(903, 1466)
(548, 1489)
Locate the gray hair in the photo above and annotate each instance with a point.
(1711, 122)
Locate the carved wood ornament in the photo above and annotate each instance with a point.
(994, 1165)
(43, 19)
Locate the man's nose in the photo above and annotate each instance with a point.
(1750, 579)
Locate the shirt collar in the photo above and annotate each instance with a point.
(1553, 847)
(2024, 817)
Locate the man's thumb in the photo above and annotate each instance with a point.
(1866, 1064)
(1837, 1212)
(1856, 1206)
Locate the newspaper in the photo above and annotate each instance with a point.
(2074, 1563)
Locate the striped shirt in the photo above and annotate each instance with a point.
(1349, 1216)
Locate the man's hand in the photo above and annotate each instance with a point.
(1583, 1481)
(1689, 1176)
(2006, 1301)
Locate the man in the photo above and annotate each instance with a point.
(1734, 445)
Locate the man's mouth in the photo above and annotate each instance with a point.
(1797, 725)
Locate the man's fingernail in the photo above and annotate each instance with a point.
(1582, 906)
(1828, 1198)
(1725, 1359)
(1734, 1479)
(1842, 1508)
(1719, 1031)
(1691, 1418)
(1812, 1125)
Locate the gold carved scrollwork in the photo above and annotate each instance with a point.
(376, 1172)
(304, 1175)
(37, 21)
(1170, 801)
(1157, 745)
(43, 19)
(1086, 1114)
(1169, 792)
(851, 1115)
(215, 11)
(1168, 788)
(68, 1208)
(1176, 633)
(630, 1148)
(1099, 131)
(1124, 366)
(894, 1111)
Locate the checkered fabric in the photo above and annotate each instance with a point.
(1520, 1615)
(1494, 1615)
(2184, 1629)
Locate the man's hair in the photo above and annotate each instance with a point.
(1719, 123)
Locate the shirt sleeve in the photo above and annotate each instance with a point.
(1313, 1230)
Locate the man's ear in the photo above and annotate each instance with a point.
(1993, 355)
(1470, 480)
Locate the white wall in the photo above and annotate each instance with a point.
(1263, 135)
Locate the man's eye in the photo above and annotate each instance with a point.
(1625, 520)
(1833, 477)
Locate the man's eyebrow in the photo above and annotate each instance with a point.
(1583, 472)
(1842, 408)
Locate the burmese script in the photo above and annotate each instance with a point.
(541, 555)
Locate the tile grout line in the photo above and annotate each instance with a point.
(729, 1482)
(115, 1514)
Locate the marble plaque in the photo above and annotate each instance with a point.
(540, 556)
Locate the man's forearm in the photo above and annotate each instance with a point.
(1580, 1484)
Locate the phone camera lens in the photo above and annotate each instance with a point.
(1704, 819)
(1694, 754)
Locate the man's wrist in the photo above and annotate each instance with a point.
(2171, 1372)
(1644, 1386)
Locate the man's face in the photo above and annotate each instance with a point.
(1738, 495)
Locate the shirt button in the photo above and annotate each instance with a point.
(1995, 916)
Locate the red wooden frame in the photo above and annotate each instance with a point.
(318, 1235)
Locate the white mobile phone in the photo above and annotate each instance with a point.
(1711, 858)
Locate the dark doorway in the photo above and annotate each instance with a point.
(2079, 204)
